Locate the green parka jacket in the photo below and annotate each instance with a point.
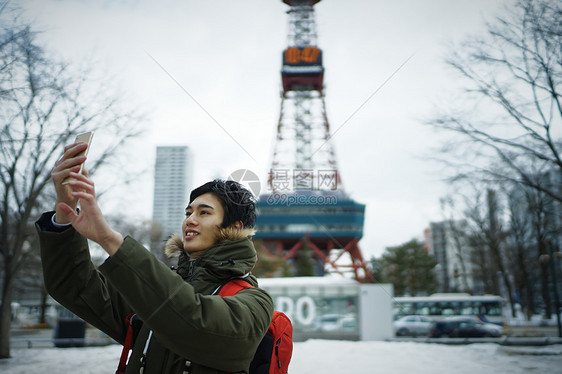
(211, 333)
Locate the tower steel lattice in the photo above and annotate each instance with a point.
(306, 206)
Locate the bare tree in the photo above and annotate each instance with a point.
(538, 210)
(487, 238)
(519, 239)
(495, 240)
(43, 106)
(511, 132)
(513, 244)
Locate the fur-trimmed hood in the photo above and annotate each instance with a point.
(174, 245)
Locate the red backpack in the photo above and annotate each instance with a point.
(276, 347)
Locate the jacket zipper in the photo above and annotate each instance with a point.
(191, 269)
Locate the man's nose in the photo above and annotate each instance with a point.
(190, 220)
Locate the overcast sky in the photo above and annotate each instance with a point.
(226, 55)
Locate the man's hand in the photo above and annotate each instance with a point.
(63, 167)
(90, 222)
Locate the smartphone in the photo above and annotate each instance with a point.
(82, 138)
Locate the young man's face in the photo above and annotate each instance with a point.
(203, 217)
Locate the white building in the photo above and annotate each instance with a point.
(172, 184)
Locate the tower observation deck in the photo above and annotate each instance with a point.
(306, 206)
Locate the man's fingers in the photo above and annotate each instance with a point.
(71, 152)
(74, 169)
(81, 178)
(60, 175)
(83, 196)
(68, 163)
(75, 148)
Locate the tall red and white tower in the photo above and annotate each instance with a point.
(303, 131)
(306, 206)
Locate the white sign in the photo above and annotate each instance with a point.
(304, 312)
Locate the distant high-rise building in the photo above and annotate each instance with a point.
(448, 247)
(172, 181)
(437, 247)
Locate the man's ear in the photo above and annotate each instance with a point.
(238, 225)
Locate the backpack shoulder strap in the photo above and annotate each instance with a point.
(233, 286)
(127, 345)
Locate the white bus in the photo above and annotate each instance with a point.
(488, 308)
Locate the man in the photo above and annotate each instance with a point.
(184, 327)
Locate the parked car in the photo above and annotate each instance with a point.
(465, 327)
(336, 322)
(412, 325)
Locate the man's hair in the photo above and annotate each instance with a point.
(238, 203)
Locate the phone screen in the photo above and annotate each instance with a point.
(82, 138)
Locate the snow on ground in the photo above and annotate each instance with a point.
(326, 356)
